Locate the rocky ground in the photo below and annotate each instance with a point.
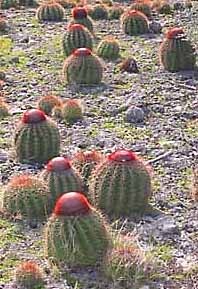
(31, 55)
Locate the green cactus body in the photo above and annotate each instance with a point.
(48, 102)
(7, 4)
(134, 22)
(50, 12)
(121, 185)
(80, 17)
(98, 12)
(76, 234)
(83, 67)
(108, 48)
(176, 52)
(144, 8)
(77, 36)
(60, 178)
(28, 275)
(28, 3)
(165, 9)
(27, 196)
(37, 138)
(115, 12)
(72, 111)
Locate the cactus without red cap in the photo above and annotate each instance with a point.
(72, 111)
(37, 138)
(76, 234)
(134, 22)
(108, 48)
(121, 185)
(51, 11)
(48, 102)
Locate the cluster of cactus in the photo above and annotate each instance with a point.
(108, 48)
(176, 52)
(37, 138)
(28, 3)
(29, 275)
(134, 22)
(3, 24)
(195, 184)
(142, 7)
(115, 12)
(7, 4)
(4, 109)
(50, 11)
(60, 178)
(98, 12)
(121, 185)
(80, 16)
(76, 36)
(76, 233)
(83, 67)
(48, 102)
(85, 162)
(27, 196)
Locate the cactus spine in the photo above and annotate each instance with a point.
(77, 36)
(176, 52)
(80, 16)
(26, 195)
(108, 48)
(83, 67)
(121, 185)
(37, 138)
(50, 12)
(134, 22)
(60, 178)
(76, 233)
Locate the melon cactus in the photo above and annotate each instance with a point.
(115, 12)
(134, 22)
(108, 48)
(83, 67)
(176, 52)
(80, 16)
(50, 11)
(98, 12)
(76, 36)
(60, 177)
(142, 7)
(121, 185)
(76, 234)
(37, 138)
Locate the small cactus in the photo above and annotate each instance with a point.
(85, 162)
(165, 8)
(80, 16)
(142, 7)
(98, 12)
(108, 48)
(60, 178)
(7, 4)
(176, 52)
(29, 275)
(115, 12)
(121, 185)
(4, 109)
(72, 110)
(83, 67)
(76, 234)
(134, 22)
(26, 195)
(50, 11)
(37, 138)
(48, 102)
(195, 184)
(77, 36)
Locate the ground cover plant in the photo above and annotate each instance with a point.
(132, 132)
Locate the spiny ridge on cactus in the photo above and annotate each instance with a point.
(48, 102)
(28, 196)
(7, 4)
(51, 11)
(83, 67)
(176, 52)
(37, 138)
(76, 233)
(72, 110)
(60, 177)
(77, 36)
(134, 22)
(29, 275)
(80, 16)
(121, 185)
(108, 48)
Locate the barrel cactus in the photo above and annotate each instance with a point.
(76, 233)
(27, 196)
(83, 67)
(176, 52)
(85, 162)
(121, 185)
(80, 16)
(7, 4)
(108, 48)
(98, 12)
(115, 12)
(72, 110)
(142, 7)
(50, 11)
(28, 3)
(37, 138)
(77, 36)
(48, 102)
(134, 22)
(29, 275)
(60, 178)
